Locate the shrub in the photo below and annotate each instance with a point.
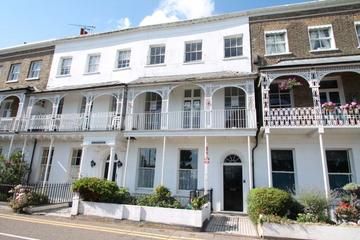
(95, 189)
(38, 199)
(273, 219)
(160, 198)
(13, 170)
(307, 218)
(315, 204)
(268, 201)
(123, 196)
(197, 203)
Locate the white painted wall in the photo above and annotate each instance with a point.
(212, 35)
(307, 160)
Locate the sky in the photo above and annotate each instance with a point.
(37, 20)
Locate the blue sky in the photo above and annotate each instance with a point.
(36, 20)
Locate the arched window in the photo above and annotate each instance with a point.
(232, 158)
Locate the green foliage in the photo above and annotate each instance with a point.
(3, 197)
(13, 170)
(100, 190)
(95, 189)
(268, 201)
(161, 198)
(197, 203)
(38, 199)
(295, 209)
(273, 219)
(315, 206)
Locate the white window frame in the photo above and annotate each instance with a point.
(11, 73)
(357, 23)
(294, 164)
(149, 55)
(350, 162)
(340, 88)
(87, 67)
(117, 59)
(242, 46)
(331, 34)
(31, 70)
(60, 67)
(185, 191)
(291, 92)
(138, 168)
(287, 51)
(193, 42)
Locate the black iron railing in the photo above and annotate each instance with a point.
(55, 192)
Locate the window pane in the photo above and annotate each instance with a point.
(285, 181)
(327, 84)
(338, 181)
(188, 159)
(282, 160)
(193, 51)
(146, 170)
(337, 161)
(323, 97)
(275, 43)
(334, 97)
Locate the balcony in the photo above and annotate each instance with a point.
(99, 121)
(307, 117)
(185, 120)
(7, 124)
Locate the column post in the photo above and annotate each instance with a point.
(89, 102)
(48, 162)
(24, 147)
(324, 164)
(206, 166)
(111, 163)
(28, 113)
(165, 108)
(17, 125)
(10, 146)
(268, 158)
(55, 108)
(163, 161)
(126, 162)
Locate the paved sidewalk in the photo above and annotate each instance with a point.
(233, 224)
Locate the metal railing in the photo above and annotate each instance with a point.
(308, 117)
(239, 118)
(56, 192)
(7, 124)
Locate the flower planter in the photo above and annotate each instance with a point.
(308, 231)
(183, 217)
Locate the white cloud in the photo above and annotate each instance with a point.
(123, 23)
(174, 10)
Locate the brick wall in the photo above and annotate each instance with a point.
(297, 24)
(25, 58)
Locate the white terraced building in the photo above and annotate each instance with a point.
(174, 105)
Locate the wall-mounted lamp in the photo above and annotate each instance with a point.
(92, 163)
(119, 164)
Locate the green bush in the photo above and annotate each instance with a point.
(38, 199)
(160, 198)
(315, 205)
(13, 170)
(123, 196)
(273, 219)
(96, 189)
(268, 201)
(197, 203)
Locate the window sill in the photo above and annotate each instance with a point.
(91, 73)
(324, 50)
(12, 81)
(234, 58)
(63, 76)
(193, 62)
(156, 65)
(278, 54)
(121, 69)
(32, 79)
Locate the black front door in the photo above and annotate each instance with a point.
(106, 172)
(233, 188)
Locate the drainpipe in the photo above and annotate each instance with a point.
(253, 153)
(31, 161)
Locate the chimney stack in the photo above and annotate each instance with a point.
(83, 31)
